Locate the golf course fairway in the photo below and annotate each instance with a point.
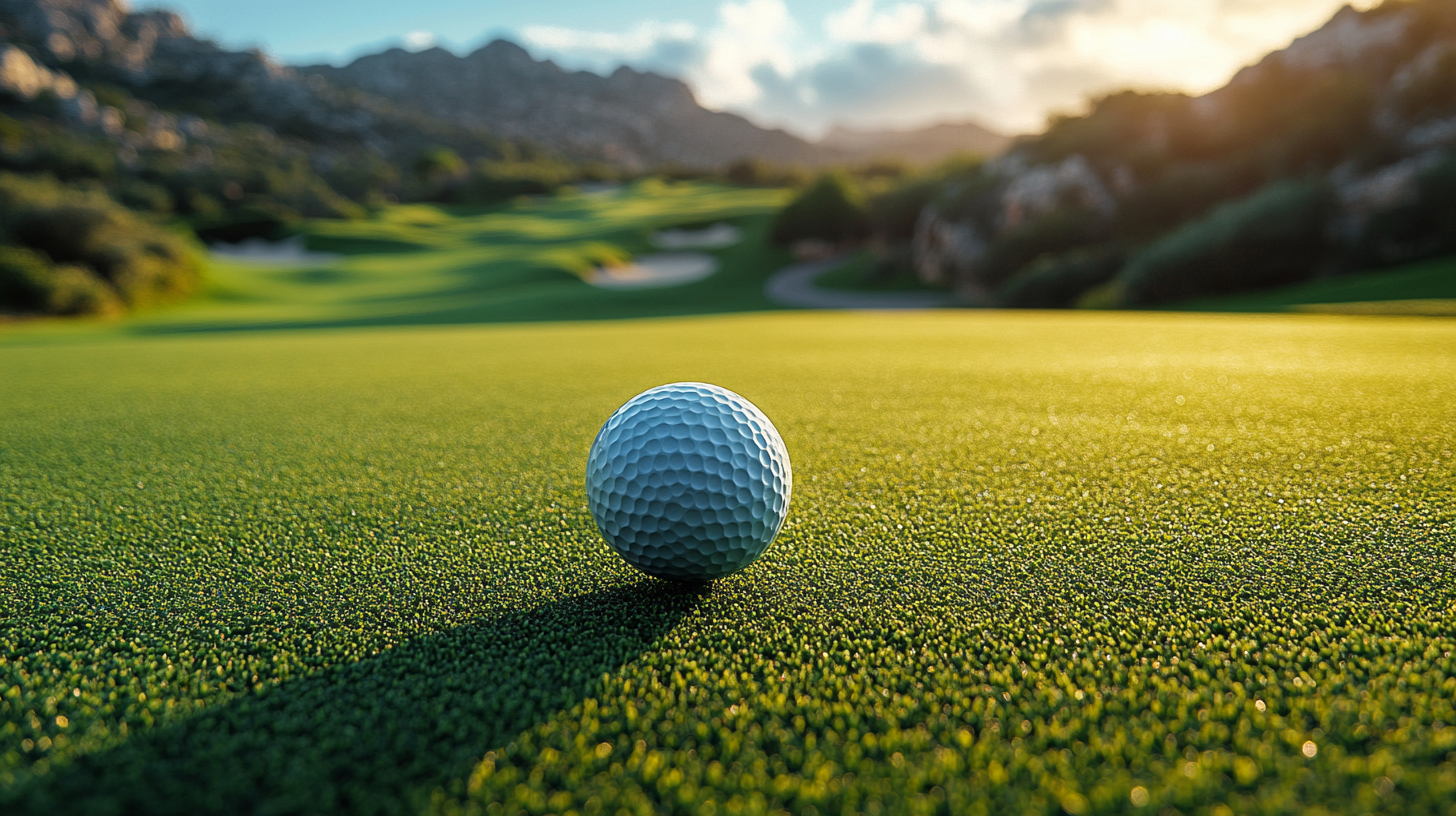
(1035, 563)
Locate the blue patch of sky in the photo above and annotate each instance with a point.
(335, 31)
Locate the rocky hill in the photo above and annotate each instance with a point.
(395, 101)
(1335, 153)
(102, 40)
(629, 119)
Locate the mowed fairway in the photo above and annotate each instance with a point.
(1035, 563)
(423, 264)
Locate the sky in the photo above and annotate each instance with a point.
(808, 65)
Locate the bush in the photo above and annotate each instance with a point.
(830, 210)
(1424, 228)
(499, 181)
(1052, 233)
(85, 251)
(893, 214)
(1182, 193)
(439, 164)
(267, 221)
(29, 282)
(1273, 237)
(758, 173)
(141, 195)
(1057, 281)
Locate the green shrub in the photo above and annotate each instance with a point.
(68, 157)
(439, 164)
(830, 210)
(29, 282)
(85, 240)
(145, 264)
(758, 173)
(1424, 228)
(1182, 193)
(492, 181)
(12, 134)
(1273, 237)
(23, 277)
(1051, 233)
(973, 195)
(268, 221)
(144, 196)
(893, 214)
(1109, 295)
(1057, 281)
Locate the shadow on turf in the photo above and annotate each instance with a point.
(379, 735)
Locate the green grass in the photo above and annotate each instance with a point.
(422, 264)
(1035, 563)
(1427, 288)
(855, 276)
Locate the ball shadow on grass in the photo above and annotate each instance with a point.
(376, 736)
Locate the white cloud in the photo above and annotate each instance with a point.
(895, 63)
(862, 22)
(719, 63)
(419, 40)
(637, 41)
(750, 35)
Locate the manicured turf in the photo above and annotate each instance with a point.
(856, 276)
(429, 265)
(1035, 563)
(1426, 288)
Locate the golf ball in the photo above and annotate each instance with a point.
(689, 481)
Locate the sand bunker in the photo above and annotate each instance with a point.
(258, 252)
(599, 188)
(714, 237)
(657, 269)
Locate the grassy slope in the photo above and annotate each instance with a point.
(1427, 288)
(854, 277)
(422, 264)
(1035, 563)
(1423, 286)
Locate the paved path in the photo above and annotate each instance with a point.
(794, 286)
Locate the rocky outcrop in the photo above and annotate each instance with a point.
(947, 252)
(155, 47)
(1391, 65)
(1362, 196)
(103, 31)
(1035, 191)
(631, 119)
(1348, 38)
(951, 250)
(23, 78)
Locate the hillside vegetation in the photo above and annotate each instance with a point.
(1335, 155)
(74, 251)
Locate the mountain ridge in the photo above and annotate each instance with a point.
(629, 118)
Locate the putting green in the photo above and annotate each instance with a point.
(1035, 563)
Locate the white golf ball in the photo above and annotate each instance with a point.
(689, 481)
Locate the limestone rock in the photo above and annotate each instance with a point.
(23, 77)
(944, 251)
(1362, 196)
(1038, 190)
(1348, 38)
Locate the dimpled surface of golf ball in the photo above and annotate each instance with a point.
(689, 482)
